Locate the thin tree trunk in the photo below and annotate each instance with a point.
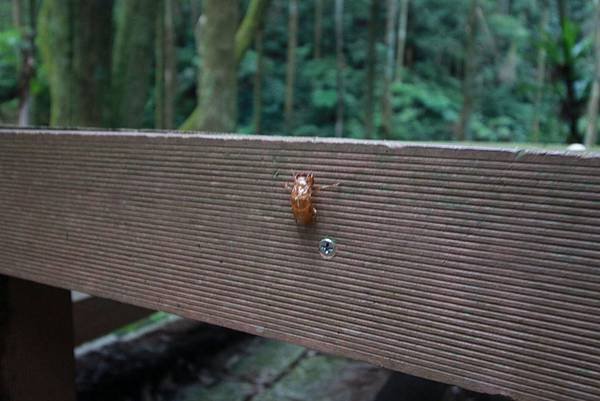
(165, 66)
(488, 33)
(507, 73)
(591, 133)
(133, 56)
(568, 73)
(392, 7)
(170, 64)
(402, 23)
(194, 12)
(27, 58)
(318, 27)
(192, 122)
(371, 68)
(159, 85)
(540, 75)
(462, 127)
(258, 77)
(291, 64)
(339, 55)
(198, 28)
(16, 13)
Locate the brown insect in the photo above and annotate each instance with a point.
(301, 200)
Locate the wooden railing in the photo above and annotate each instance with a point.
(471, 266)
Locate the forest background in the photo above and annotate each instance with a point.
(432, 70)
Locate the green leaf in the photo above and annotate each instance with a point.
(324, 98)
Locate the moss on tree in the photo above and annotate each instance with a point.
(132, 64)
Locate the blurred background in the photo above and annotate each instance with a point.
(522, 71)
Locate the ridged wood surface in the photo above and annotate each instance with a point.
(470, 266)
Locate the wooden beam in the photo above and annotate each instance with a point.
(94, 317)
(471, 266)
(36, 342)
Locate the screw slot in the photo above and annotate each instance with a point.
(327, 248)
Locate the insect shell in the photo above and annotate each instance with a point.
(301, 198)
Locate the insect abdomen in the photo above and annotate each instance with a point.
(304, 214)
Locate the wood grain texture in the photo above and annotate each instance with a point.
(94, 317)
(470, 266)
(36, 342)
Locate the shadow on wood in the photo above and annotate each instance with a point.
(94, 317)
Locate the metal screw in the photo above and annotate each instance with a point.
(327, 248)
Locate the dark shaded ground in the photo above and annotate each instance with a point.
(188, 361)
(156, 365)
(401, 387)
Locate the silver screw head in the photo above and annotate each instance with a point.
(327, 248)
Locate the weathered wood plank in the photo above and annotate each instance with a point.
(36, 342)
(471, 266)
(94, 317)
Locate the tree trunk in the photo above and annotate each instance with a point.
(165, 65)
(507, 73)
(488, 33)
(16, 13)
(218, 84)
(462, 127)
(133, 57)
(371, 69)
(318, 28)
(195, 7)
(26, 71)
(255, 15)
(339, 56)
(198, 29)
(170, 75)
(291, 65)
(591, 133)
(402, 23)
(569, 107)
(159, 77)
(74, 41)
(392, 7)
(258, 77)
(540, 74)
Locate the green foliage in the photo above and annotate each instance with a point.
(10, 44)
(426, 103)
(423, 107)
(577, 47)
(508, 28)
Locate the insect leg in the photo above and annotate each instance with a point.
(325, 187)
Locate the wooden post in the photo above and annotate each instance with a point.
(36, 342)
